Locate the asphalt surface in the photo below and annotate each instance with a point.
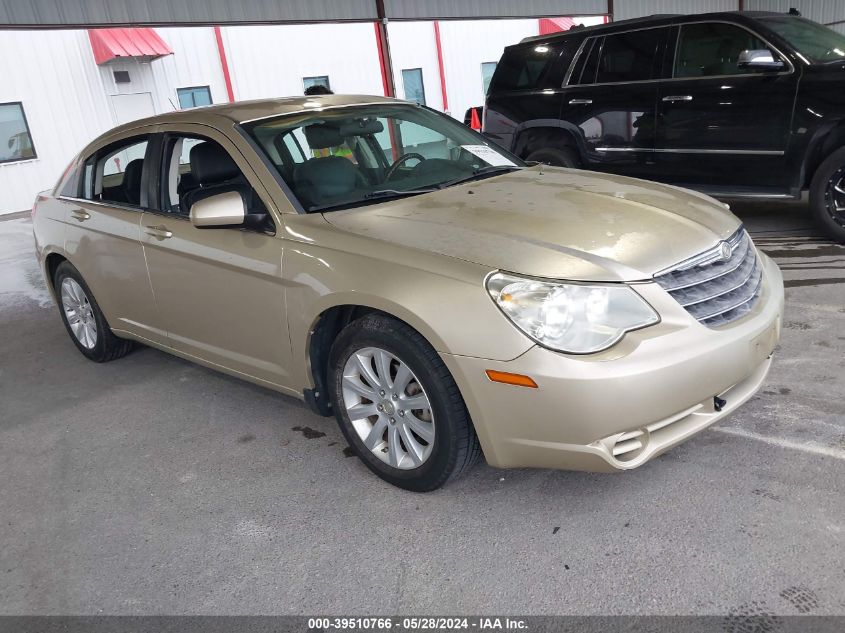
(153, 486)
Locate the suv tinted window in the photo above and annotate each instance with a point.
(629, 56)
(522, 68)
(712, 48)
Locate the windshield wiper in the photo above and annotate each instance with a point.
(477, 173)
(396, 193)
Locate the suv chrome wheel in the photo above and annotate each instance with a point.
(388, 408)
(79, 313)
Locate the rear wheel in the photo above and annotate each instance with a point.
(557, 157)
(827, 195)
(83, 318)
(398, 406)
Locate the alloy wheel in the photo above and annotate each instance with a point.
(388, 408)
(79, 313)
(834, 196)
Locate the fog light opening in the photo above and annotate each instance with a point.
(629, 446)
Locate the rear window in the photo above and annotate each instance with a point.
(629, 56)
(523, 67)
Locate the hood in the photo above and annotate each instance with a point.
(552, 222)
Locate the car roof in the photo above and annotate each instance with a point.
(651, 20)
(242, 111)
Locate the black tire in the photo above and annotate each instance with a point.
(557, 157)
(821, 190)
(107, 346)
(455, 447)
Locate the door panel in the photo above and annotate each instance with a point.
(103, 235)
(611, 103)
(719, 124)
(103, 243)
(219, 290)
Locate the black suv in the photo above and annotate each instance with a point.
(737, 105)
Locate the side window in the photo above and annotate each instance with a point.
(114, 174)
(522, 67)
(712, 48)
(629, 56)
(196, 168)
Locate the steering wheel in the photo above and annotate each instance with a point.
(401, 161)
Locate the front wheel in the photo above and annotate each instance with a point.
(827, 195)
(83, 319)
(398, 406)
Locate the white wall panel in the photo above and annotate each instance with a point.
(412, 45)
(270, 61)
(195, 62)
(625, 9)
(54, 75)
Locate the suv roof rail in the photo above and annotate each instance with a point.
(600, 27)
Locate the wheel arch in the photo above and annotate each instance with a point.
(824, 142)
(50, 264)
(327, 325)
(544, 133)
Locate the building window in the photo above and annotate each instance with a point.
(487, 70)
(194, 97)
(412, 80)
(15, 139)
(320, 80)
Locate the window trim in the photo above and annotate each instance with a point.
(422, 83)
(207, 88)
(328, 83)
(678, 26)
(163, 169)
(34, 156)
(681, 25)
(602, 36)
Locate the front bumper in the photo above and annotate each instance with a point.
(620, 408)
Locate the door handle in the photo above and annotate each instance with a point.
(580, 101)
(80, 215)
(678, 98)
(159, 232)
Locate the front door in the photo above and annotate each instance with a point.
(219, 290)
(611, 103)
(720, 125)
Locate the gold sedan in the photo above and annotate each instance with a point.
(393, 268)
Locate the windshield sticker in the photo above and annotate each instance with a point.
(489, 155)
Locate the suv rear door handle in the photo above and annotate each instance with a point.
(80, 215)
(678, 98)
(159, 232)
(580, 101)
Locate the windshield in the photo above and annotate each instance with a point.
(349, 156)
(815, 42)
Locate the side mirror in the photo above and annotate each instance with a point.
(762, 60)
(223, 209)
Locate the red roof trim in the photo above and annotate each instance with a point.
(109, 44)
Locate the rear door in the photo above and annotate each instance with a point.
(103, 233)
(720, 125)
(611, 97)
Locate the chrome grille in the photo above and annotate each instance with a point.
(713, 289)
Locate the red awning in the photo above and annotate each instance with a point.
(109, 44)
(555, 25)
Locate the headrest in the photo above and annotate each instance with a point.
(361, 127)
(322, 135)
(210, 163)
(132, 180)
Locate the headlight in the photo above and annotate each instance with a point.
(570, 317)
